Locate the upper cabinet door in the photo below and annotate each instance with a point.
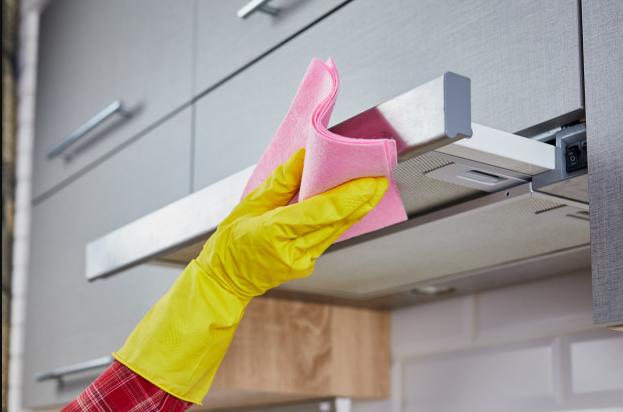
(68, 319)
(92, 53)
(603, 71)
(523, 59)
(227, 42)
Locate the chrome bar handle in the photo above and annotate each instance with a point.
(78, 367)
(114, 107)
(257, 5)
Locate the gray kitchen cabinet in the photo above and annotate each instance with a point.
(523, 58)
(70, 320)
(93, 52)
(603, 73)
(226, 43)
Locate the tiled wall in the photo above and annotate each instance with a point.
(530, 347)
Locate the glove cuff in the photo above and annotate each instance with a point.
(180, 343)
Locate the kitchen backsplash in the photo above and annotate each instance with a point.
(530, 347)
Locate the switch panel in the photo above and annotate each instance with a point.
(570, 178)
(572, 142)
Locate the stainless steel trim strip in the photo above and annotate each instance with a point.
(183, 222)
(76, 368)
(417, 120)
(420, 120)
(106, 112)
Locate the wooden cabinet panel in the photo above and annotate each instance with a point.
(70, 320)
(523, 59)
(286, 350)
(91, 53)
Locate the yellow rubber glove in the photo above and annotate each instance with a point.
(180, 343)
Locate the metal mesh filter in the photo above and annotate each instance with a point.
(511, 230)
(462, 243)
(421, 194)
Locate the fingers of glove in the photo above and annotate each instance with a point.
(305, 249)
(325, 237)
(277, 190)
(338, 208)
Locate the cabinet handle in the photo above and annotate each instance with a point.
(78, 367)
(106, 112)
(255, 5)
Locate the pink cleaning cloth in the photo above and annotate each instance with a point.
(330, 159)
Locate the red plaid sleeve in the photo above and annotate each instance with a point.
(119, 389)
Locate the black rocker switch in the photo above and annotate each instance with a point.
(573, 158)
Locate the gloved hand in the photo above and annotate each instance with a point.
(264, 242)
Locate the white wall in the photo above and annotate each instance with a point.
(530, 347)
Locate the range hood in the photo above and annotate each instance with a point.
(475, 218)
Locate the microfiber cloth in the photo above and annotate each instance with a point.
(330, 159)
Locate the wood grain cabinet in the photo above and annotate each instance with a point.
(70, 320)
(523, 60)
(286, 351)
(94, 52)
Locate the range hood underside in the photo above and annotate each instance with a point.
(471, 208)
(491, 240)
(456, 237)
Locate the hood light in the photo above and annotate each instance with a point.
(433, 290)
